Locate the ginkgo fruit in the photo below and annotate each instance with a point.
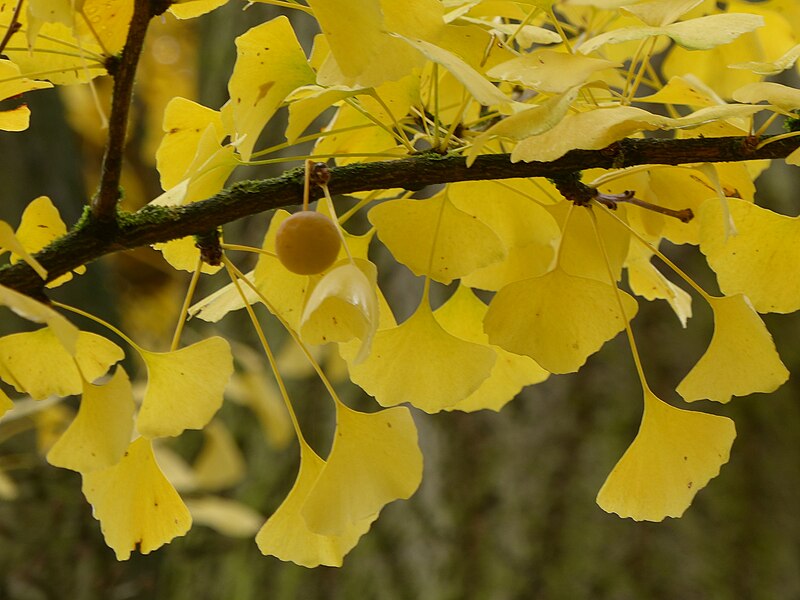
(307, 243)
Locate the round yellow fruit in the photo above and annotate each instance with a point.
(307, 243)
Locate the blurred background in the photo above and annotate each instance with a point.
(506, 509)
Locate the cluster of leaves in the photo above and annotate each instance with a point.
(532, 78)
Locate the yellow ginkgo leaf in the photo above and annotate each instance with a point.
(307, 103)
(136, 506)
(701, 33)
(549, 71)
(226, 299)
(190, 9)
(47, 56)
(782, 96)
(777, 34)
(741, 358)
(37, 363)
(589, 130)
(183, 254)
(527, 122)
(5, 403)
(658, 13)
(363, 51)
(184, 124)
(104, 21)
(686, 90)
(760, 261)
(785, 61)
(476, 84)
(525, 227)
(30, 309)
(559, 320)
(432, 237)
(219, 464)
(648, 282)
(355, 133)
(462, 316)
(225, 516)
(675, 454)
(269, 65)
(420, 363)
(286, 534)
(101, 431)
(12, 84)
(10, 242)
(40, 224)
(579, 252)
(374, 460)
(343, 306)
(184, 387)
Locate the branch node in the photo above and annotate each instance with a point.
(210, 248)
(573, 189)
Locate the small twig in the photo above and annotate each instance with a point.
(104, 203)
(684, 215)
(13, 26)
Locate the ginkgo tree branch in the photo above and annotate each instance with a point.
(123, 69)
(91, 238)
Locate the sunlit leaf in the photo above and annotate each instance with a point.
(41, 224)
(741, 358)
(526, 229)
(190, 9)
(477, 85)
(580, 254)
(37, 363)
(649, 283)
(782, 96)
(675, 454)
(432, 237)
(101, 431)
(549, 71)
(462, 316)
(529, 122)
(590, 130)
(375, 460)
(12, 84)
(785, 61)
(363, 51)
(660, 12)
(184, 124)
(557, 319)
(137, 507)
(343, 306)
(9, 241)
(269, 65)
(420, 363)
(701, 33)
(184, 387)
(760, 261)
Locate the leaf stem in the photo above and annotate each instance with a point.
(235, 275)
(99, 321)
(176, 338)
(628, 331)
